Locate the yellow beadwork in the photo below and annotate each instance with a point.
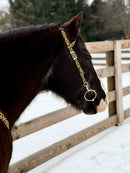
(4, 119)
(74, 55)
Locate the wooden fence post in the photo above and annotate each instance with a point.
(118, 82)
(111, 82)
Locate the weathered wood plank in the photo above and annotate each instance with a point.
(125, 68)
(99, 64)
(118, 82)
(112, 94)
(127, 113)
(97, 58)
(126, 90)
(104, 46)
(111, 82)
(98, 47)
(124, 43)
(60, 147)
(123, 58)
(125, 51)
(105, 72)
(43, 122)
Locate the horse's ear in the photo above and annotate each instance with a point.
(73, 25)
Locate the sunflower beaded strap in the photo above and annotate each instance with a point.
(74, 55)
(4, 119)
(90, 94)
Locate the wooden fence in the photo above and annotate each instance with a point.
(100, 59)
(104, 59)
(113, 73)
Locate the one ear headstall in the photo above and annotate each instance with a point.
(90, 94)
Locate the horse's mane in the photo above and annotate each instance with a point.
(25, 30)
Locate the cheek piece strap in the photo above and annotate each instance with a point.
(90, 94)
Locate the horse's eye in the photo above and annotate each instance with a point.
(84, 49)
(86, 61)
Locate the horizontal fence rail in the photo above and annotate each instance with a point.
(105, 46)
(113, 71)
(127, 53)
(123, 58)
(50, 152)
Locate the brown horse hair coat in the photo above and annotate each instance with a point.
(35, 59)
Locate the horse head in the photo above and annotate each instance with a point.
(72, 76)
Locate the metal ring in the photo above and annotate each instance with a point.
(88, 91)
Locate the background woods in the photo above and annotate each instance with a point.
(102, 20)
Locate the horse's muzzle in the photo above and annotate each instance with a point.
(103, 104)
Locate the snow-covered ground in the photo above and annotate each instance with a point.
(107, 152)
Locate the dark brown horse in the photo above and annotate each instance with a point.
(38, 58)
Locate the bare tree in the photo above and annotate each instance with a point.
(115, 17)
(127, 20)
(4, 21)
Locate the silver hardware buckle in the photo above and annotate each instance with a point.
(88, 92)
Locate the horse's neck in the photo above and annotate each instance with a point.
(5, 148)
(22, 78)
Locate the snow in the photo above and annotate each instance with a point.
(107, 152)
